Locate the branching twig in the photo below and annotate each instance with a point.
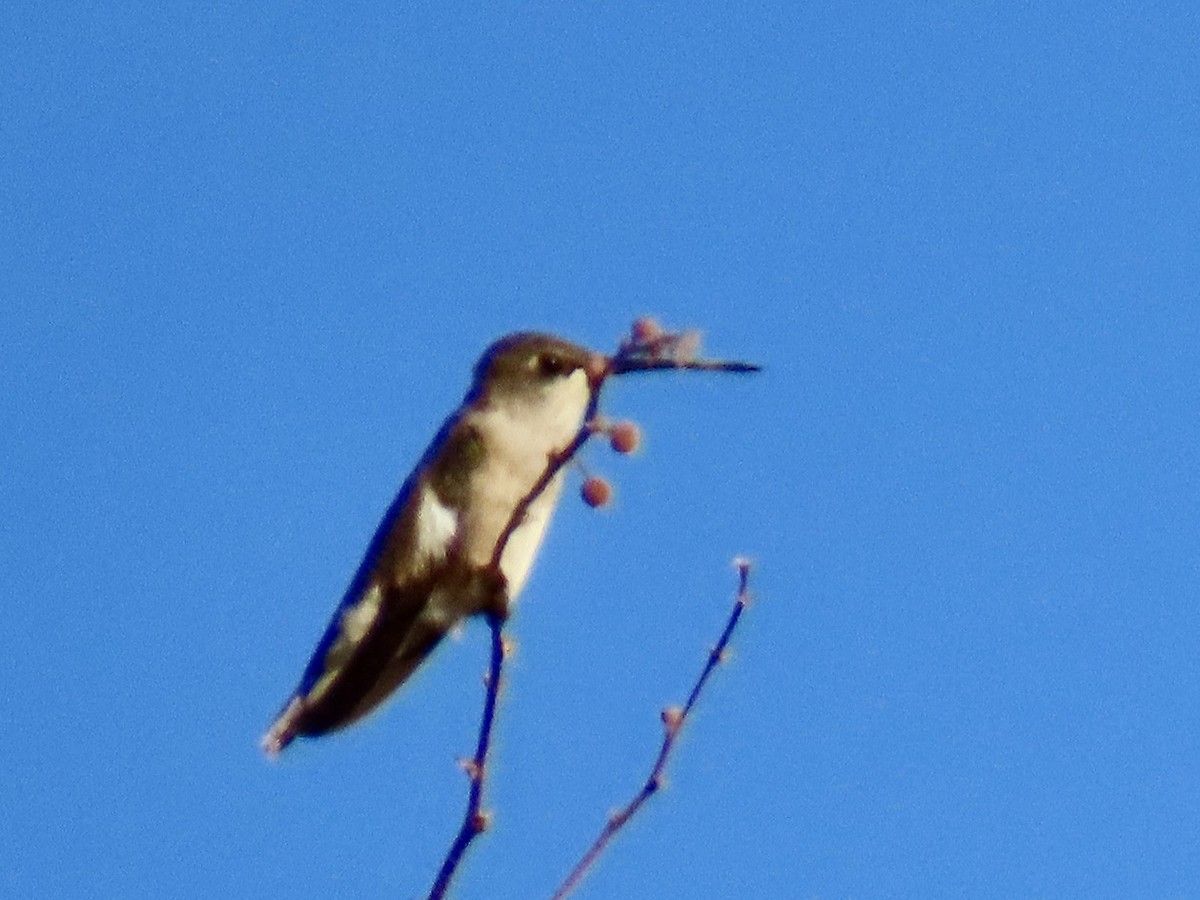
(475, 821)
(646, 352)
(674, 719)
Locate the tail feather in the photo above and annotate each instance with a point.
(283, 730)
(355, 691)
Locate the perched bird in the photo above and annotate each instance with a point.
(430, 564)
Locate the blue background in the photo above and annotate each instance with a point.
(249, 258)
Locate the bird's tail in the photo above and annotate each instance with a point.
(357, 689)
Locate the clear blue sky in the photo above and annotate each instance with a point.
(249, 259)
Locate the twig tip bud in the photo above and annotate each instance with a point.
(624, 436)
(646, 329)
(598, 367)
(596, 492)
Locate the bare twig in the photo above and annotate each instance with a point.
(476, 821)
(674, 719)
(660, 351)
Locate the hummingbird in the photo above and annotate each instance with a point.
(430, 564)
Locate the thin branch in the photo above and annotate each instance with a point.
(674, 719)
(476, 821)
(663, 351)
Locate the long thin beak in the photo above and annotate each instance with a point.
(622, 364)
(651, 349)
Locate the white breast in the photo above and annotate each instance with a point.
(520, 438)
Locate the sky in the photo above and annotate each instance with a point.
(250, 256)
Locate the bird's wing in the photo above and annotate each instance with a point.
(384, 627)
(377, 629)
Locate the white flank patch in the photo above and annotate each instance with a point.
(359, 617)
(436, 526)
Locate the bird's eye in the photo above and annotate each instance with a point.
(549, 365)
